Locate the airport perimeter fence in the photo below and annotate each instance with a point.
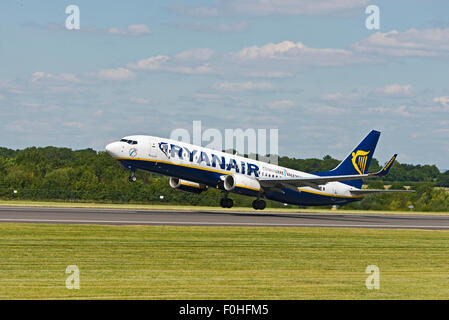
(74, 196)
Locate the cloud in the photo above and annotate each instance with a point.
(402, 111)
(139, 100)
(196, 54)
(280, 104)
(194, 11)
(98, 113)
(193, 61)
(289, 52)
(118, 74)
(442, 100)
(39, 76)
(244, 86)
(26, 126)
(73, 124)
(268, 74)
(271, 7)
(395, 90)
(411, 43)
(233, 27)
(131, 30)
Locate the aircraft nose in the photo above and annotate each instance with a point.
(113, 149)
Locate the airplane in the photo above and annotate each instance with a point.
(194, 169)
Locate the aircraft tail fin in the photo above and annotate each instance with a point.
(358, 161)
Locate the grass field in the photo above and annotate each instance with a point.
(291, 209)
(166, 262)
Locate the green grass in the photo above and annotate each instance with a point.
(167, 262)
(288, 209)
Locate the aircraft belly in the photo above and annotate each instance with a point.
(307, 198)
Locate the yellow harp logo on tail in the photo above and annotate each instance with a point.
(359, 160)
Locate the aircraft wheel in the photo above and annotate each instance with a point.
(259, 204)
(226, 203)
(132, 179)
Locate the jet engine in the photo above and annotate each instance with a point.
(241, 184)
(186, 185)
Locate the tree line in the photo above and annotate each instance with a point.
(53, 173)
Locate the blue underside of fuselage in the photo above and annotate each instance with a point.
(212, 179)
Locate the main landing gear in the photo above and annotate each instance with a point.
(226, 202)
(259, 204)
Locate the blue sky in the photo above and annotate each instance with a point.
(311, 69)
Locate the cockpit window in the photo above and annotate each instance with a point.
(128, 141)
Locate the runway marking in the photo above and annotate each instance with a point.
(229, 223)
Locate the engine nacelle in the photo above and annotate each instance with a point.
(186, 185)
(241, 184)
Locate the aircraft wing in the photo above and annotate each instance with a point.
(371, 191)
(314, 182)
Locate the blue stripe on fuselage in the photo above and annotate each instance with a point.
(212, 178)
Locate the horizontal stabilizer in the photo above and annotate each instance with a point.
(315, 181)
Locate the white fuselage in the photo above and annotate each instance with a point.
(206, 166)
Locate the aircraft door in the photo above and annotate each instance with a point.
(153, 149)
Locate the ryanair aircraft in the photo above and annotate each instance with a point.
(195, 169)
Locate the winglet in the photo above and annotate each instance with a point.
(387, 167)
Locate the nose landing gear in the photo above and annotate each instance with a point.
(132, 177)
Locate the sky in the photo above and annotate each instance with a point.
(311, 69)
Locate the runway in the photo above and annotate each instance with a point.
(215, 218)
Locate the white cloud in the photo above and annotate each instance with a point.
(26, 126)
(332, 96)
(413, 42)
(118, 74)
(73, 124)
(272, 7)
(288, 52)
(442, 100)
(280, 104)
(151, 63)
(40, 75)
(207, 96)
(194, 11)
(131, 30)
(268, 74)
(233, 27)
(395, 90)
(193, 61)
(402, 111)
(199, 54)
(139, 100)
(31, 104)
(244, 86)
